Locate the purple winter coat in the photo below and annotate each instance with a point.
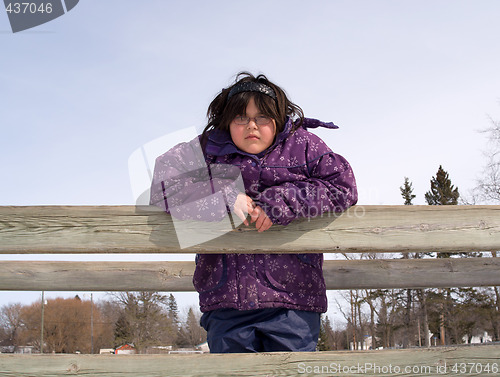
(298, 176)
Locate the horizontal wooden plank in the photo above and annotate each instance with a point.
(96, 276)
(412, 273)
(483, 360)
(177, 276)
(131, 229)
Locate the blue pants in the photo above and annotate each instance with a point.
(261, 330)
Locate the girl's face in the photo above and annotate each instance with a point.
(252, 138)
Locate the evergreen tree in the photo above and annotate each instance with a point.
(442, 192)
(191, 333)
(407, 192)
(325, 330)
(408, 196)
(173, 309)
(122, 332)
(144, 320)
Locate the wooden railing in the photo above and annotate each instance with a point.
(361, 229)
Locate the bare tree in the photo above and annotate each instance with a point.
(488, 185)
(67, 325)
(11, 323)
(487, 190)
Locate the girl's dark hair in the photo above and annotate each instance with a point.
(222, 110)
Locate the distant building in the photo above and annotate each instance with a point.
(105, 351)
(17, 349)
(476, 339)
(365, 345)
(126, 349)
(7, 349)
(158, 350)
(203, 347)
(184, 350)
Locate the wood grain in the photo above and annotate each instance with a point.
(177, 276)
(437, 361)
(131, 229)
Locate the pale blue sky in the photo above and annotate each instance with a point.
(410, 83)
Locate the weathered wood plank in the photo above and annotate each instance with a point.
(177, 276)
(96, 276)
(439, 361)
(412, 273)
(130, 229)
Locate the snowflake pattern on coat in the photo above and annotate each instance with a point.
(298, 176)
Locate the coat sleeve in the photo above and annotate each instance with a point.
(189, 189)
(327, 184)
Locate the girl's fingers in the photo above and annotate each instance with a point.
(254, 214)
(260, 220)
(241, 215)
(269, 223)
(244, 205)
(263, 222)
(266, 224)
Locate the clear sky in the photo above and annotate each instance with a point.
(410, 83)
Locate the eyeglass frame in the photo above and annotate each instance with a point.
(248, 119)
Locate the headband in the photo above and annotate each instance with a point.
(250, 86)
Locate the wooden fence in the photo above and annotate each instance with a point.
(361, 229)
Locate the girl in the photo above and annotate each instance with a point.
(256, 302)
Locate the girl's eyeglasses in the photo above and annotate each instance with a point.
(260, 120)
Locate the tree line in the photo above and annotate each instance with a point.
(425, 317)
(145, 319)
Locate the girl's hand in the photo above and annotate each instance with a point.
(260, 218)
(244, 206)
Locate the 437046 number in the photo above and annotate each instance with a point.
(32, 8)
(476, 368)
